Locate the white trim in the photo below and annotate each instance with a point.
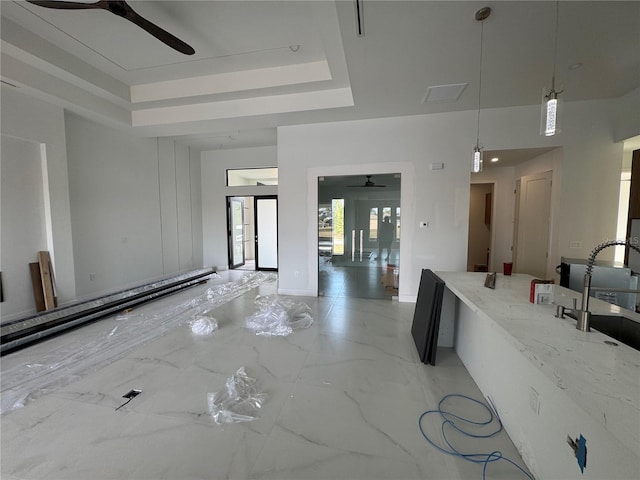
(408, 298)
(297, 293)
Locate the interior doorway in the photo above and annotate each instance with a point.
(359, 219)
(479, 257)
(252, 232)
(532, 224)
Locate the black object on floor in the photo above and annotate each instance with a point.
(131, 394)
(426, 317)
(22, 332)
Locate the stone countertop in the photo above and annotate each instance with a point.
(603, 380)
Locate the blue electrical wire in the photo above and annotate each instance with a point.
(449, 419)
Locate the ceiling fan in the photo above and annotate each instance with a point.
(368, 184)
(122, 9)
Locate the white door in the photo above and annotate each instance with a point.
(266, 211)
(533, 219)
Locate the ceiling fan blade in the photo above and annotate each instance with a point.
(161, 34)
(122, 9)
(367, 185)
(60, 5)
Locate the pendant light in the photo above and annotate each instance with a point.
(476, 161)
(549, 124)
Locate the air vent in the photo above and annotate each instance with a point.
(444, 93)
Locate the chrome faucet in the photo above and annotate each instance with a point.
(583, 316)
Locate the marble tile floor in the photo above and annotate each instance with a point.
(353, 280)
(344, 398)
(249, 265)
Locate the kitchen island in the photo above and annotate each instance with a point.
(548, 380)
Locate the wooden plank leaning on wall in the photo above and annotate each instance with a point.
(48, 282)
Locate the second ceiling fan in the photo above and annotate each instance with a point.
(124, 10)
(368, 184)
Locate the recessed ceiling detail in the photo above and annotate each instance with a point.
(246, 107)
(252, 60)
(260, 65)
(232, 82)
(444, 93)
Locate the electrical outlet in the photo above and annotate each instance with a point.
(575, 244)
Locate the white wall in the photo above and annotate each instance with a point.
(407, 145)
(195, 184)
(24, 229)
(36, 121)
(110, 207)
(214, 192)
(626, 121)
(587, 190)
(131, 207)
(176, 206)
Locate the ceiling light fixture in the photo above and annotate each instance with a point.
(495, 159)
(549, 124)
(476, 162)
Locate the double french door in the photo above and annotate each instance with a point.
(252, 230)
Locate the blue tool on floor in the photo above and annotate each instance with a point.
(579, 446)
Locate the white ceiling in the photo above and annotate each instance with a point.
(262, 64)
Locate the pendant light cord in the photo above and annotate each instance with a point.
(480, 82)
(555, 47)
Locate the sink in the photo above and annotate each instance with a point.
(624, 330)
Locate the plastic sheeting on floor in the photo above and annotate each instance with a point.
(70, 361)
(277, 316)
(239, 401)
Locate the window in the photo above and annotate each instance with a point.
(397, 223)
(337, 224)
(325, 240)
(331, 227)
(373, 224)
(252, 177)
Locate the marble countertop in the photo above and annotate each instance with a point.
(602, 379)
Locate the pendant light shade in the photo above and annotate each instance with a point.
(476, 159)
(476, 162)
(550, 114)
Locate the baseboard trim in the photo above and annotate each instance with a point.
(297, 293)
